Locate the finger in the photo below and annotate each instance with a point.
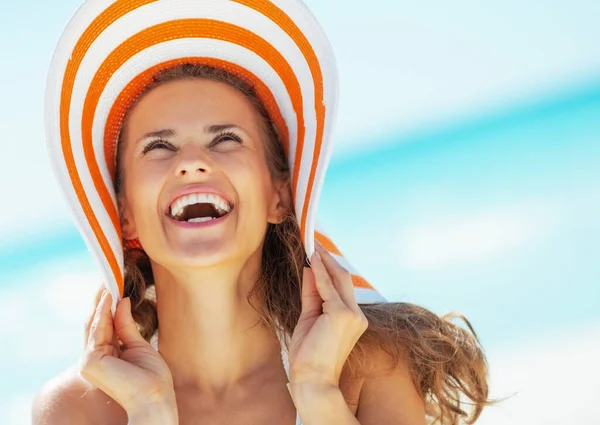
(342, 279)
(101, 329)
(312, 303)
(323, 281)
(88, 323)
(126, 328)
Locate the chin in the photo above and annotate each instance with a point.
(207, 250)
(196, 254)
(201, 254)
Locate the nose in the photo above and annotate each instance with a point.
(193, 160)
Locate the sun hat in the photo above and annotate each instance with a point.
(109, 52)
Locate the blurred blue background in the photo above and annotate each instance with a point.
(466, 177)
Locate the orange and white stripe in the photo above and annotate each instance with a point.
(109, 52)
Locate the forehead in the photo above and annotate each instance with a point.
(188, 101)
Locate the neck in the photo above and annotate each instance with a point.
(209, 335)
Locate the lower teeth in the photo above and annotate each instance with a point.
(200, 219)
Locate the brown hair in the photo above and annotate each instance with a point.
(448, 365)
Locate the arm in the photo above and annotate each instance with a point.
(70, 400)
(154, 415)
(59, 402)
(385, 399)
(320, 405)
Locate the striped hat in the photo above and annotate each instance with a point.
(110, 51)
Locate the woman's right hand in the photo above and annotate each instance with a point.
(135, 375)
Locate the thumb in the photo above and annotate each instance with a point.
(125, 326)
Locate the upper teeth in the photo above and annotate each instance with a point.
(218, 202)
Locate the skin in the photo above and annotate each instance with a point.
(216, 364)
(207, 335)
(202, 276)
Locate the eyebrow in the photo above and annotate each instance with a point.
(217, 128)
(160, 133)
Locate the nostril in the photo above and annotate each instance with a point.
(183, 171)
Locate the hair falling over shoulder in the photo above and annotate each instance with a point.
(447, 362)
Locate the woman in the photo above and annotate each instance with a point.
(191, 139)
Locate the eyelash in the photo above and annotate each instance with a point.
(219, 138)
(226, 135)
(155, 143)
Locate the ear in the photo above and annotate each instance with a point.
(281, 201)
(127, 222)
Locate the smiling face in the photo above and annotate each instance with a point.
(195, 149)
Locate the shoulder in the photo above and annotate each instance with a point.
(388, 394)
(68, 399)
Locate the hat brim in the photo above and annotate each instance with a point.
(110, 50)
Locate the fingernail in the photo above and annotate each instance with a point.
(317, 255)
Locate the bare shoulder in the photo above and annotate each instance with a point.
(388, 394)
(374, 365)
(68, 399)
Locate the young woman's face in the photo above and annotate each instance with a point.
(185, 142)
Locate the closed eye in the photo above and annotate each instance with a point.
(157, 143)
(226, 136)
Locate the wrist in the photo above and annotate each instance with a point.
(306, 391)
(157, 413)
(320, 403)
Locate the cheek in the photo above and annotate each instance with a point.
(252, 182)
(144, 187)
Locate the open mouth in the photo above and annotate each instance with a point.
(200, 207)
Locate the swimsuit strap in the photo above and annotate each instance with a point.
(286, 363)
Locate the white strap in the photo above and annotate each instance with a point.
(286, 366)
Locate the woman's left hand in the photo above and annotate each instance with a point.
(330, 324)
